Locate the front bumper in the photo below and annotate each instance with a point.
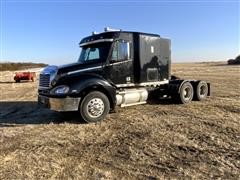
(59, 104)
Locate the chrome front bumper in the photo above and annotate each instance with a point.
(59, 104)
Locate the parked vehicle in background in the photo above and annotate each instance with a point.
(25, 76)
(234, 61)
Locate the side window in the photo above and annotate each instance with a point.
(121, 51)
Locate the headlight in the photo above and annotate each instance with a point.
(60, 90)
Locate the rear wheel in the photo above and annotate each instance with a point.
(185, 94)
(201, 91)
(94, 107)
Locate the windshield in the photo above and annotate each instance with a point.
(94, 52)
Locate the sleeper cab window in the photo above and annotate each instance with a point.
(121, 51)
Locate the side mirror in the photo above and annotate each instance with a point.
(121, 51)
(128, 51)
(124, 50)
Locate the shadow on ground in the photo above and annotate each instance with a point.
(13, 113)
(29, 112)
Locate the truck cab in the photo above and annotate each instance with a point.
(114, 68)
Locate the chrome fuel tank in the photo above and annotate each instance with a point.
(129, 97)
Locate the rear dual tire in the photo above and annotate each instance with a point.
(201, 91)
(187, 92)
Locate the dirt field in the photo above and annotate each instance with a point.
(153, 141)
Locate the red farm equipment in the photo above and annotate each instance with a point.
(24, 76)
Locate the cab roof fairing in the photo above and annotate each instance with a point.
(108, 37)
(95, 41)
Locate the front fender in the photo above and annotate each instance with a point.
(83, 85)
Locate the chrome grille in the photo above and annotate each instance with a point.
(44, 80)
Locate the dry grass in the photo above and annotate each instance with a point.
(19, 66)
(199, 140)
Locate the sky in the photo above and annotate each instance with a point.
(49, 31)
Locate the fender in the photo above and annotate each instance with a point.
(87, 82)
(175, 85)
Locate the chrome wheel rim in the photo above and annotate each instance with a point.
(187, 93)
(95, 107)
(203, 91)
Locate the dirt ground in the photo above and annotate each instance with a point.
(153, 141)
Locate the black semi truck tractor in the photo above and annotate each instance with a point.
(116, 68)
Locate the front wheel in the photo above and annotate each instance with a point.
(94, 107)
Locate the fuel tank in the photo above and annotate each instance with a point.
(129, 97)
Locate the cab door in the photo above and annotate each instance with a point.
(120, 66)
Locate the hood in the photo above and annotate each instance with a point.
(68, 68)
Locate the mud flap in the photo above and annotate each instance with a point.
(209, 90)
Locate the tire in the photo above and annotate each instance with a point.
(94, 107)
(201, 91)
(185, 94)
(17, 80)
